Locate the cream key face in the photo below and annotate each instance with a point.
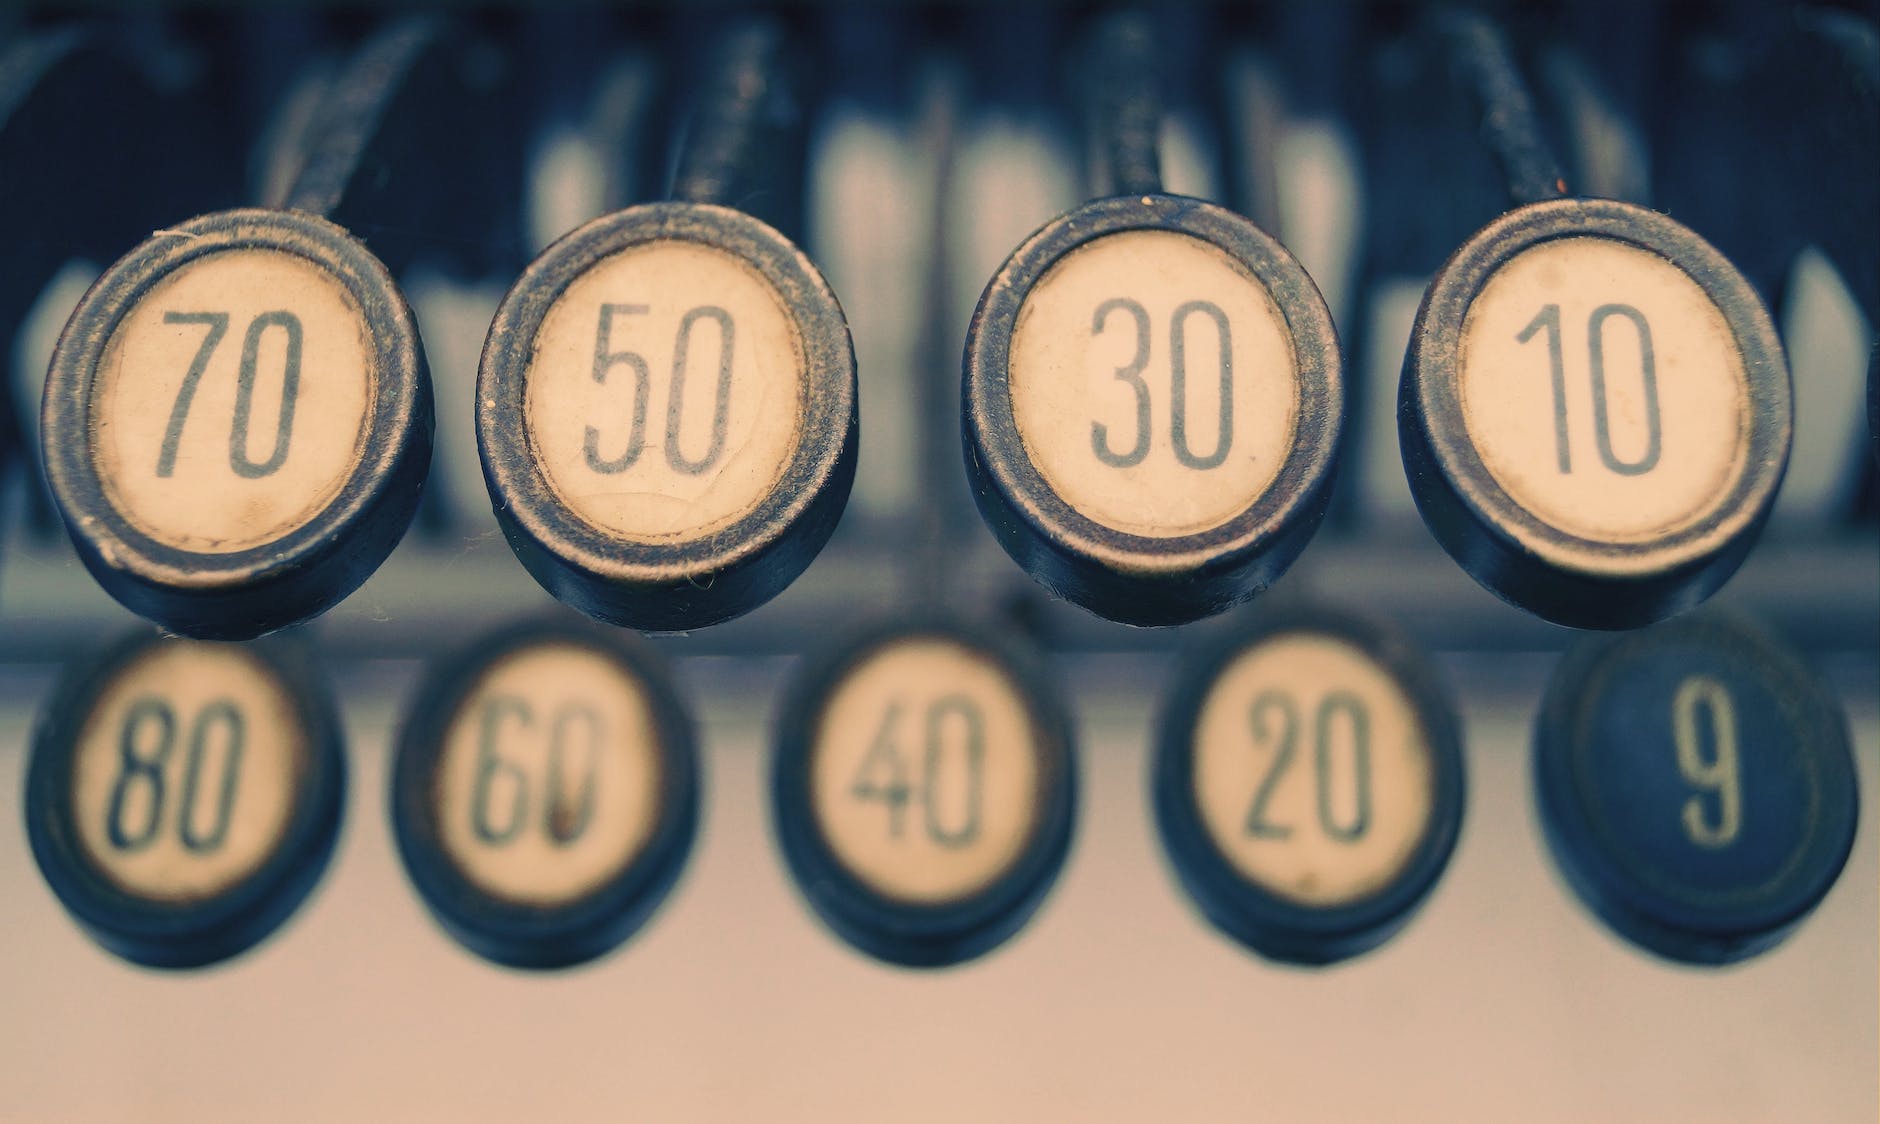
(1312, 772)
(924, 771)
(1151, 408)
(1603, 390)
(547, 785)
(186, 773)
(230, 403)
(1153, 383)
(665, 392)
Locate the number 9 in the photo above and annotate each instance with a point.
(1719, 775)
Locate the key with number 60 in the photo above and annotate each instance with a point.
(546, 791)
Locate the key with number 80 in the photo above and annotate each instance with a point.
(183, 796)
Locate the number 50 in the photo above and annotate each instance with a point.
(606, 359)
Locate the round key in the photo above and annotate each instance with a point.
(546, 792)
(1308, 783)
(666, 414)
(183, 796)
(238, 422)
(924, 790)
(1152, 404)
(1696, 786)
(1594, 413)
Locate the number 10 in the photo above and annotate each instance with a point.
(1549, 318)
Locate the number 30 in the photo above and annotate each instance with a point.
(1131, 373)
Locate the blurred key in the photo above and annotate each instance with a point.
(923, 789)
(545, 791)
(183, 797)
(1308, 783)
(1696, 786)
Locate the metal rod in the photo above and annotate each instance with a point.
(1123, 104)
(746, 105)
(353, 114)
(1479, 54)
(938, 533)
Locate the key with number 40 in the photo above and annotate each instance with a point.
(924, 789)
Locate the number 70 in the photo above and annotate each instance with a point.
(238, 459)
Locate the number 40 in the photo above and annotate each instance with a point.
(951, 710)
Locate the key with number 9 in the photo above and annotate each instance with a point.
(1696, 786)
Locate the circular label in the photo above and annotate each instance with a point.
(924, 771)
(1153, 383)
(186, 771)
(666, 391)
(1312, 771)
(230, 404)
(1603, 390)
(1694, 775)
(547, 784)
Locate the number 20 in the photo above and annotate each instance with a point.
(1333, 705)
